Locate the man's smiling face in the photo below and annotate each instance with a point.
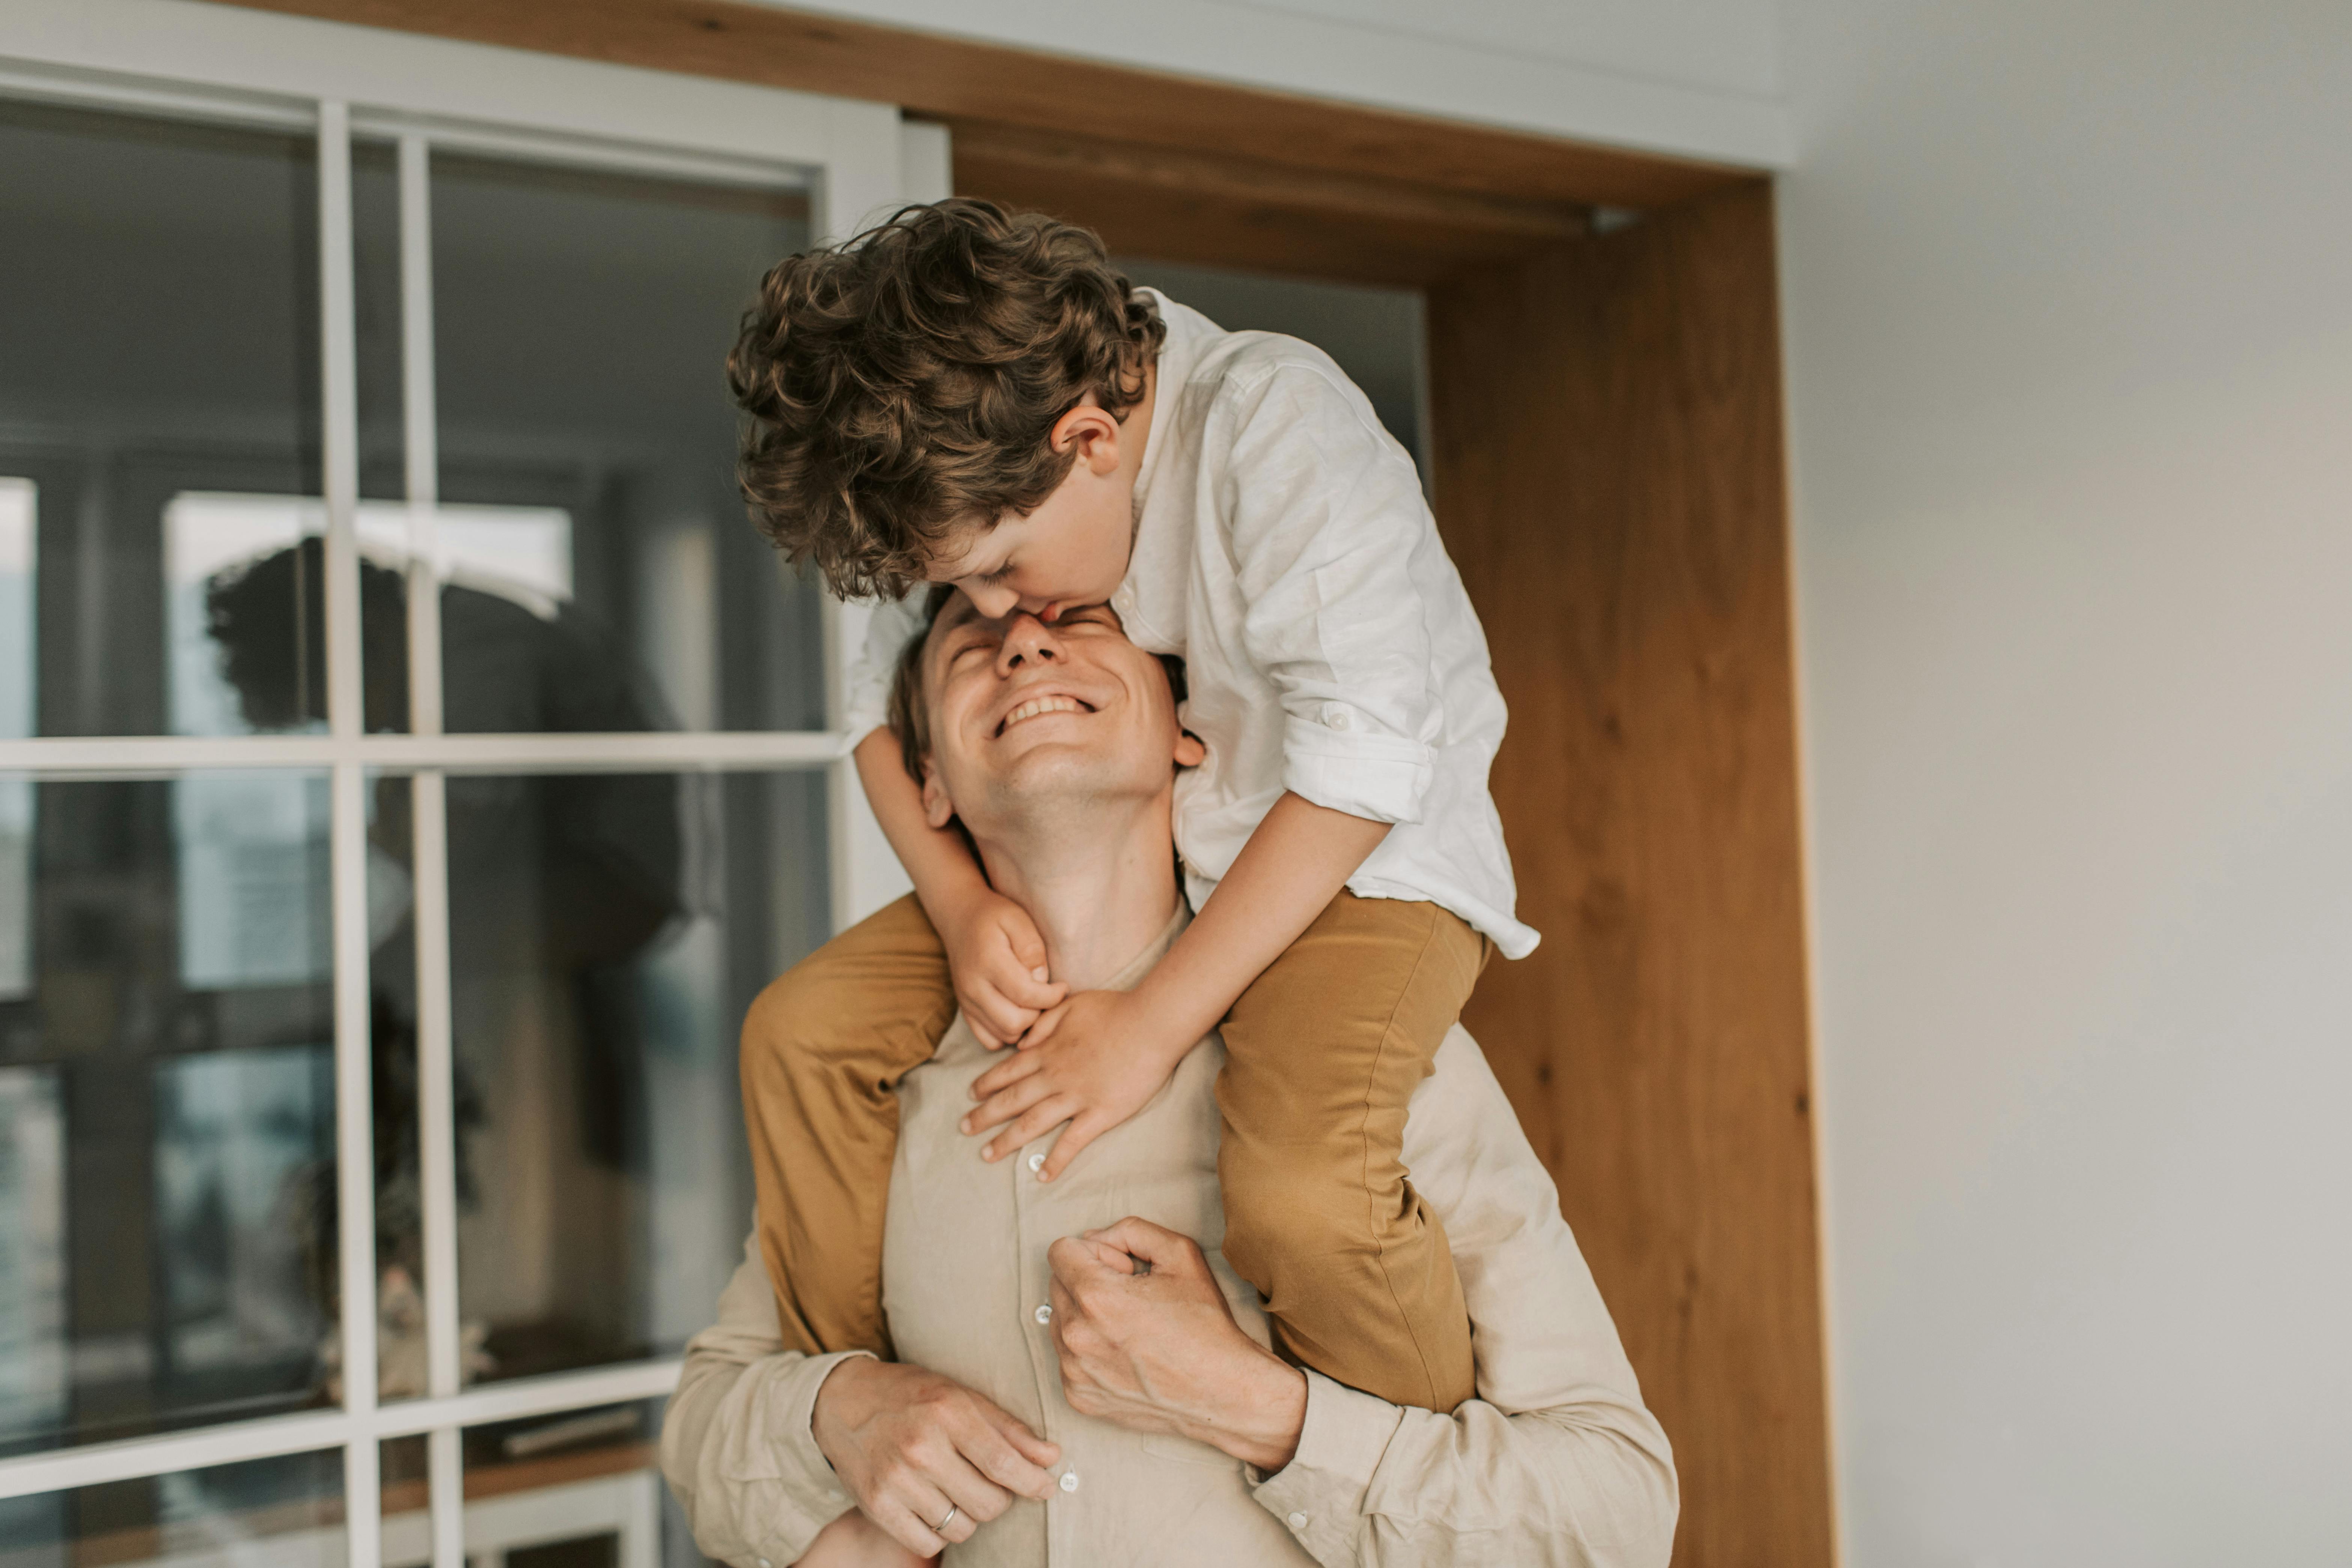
(1024, 714)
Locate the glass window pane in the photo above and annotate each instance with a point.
(577, 1489)
(286, 1513)
(19, 503)
(159, 337)
(167, 1110)
(608, 932)
(158, 342)
(582, 324)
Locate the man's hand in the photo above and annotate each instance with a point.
(909, 1444)
(1146, 1342)
(1093, 1062)
(997, 960)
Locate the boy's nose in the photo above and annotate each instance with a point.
(994, 603)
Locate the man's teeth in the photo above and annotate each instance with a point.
(1036, 705)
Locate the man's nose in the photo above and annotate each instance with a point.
(1028, 640)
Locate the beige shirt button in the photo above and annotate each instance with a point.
(1036, 1161)
(1069, 1480)
(1337, 717)
(1044, 1314)
(765, 1564)
(1297, 1522)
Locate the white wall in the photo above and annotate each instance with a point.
(2070, 321)
(1699, 78)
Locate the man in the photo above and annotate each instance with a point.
(1076, 1381)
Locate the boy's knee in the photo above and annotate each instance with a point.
(1278, 1210)
(800, 1009)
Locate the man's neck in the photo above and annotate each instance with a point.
(1099, 891)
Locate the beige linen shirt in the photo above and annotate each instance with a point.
(1555, 1461)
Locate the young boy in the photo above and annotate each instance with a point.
(964, 397)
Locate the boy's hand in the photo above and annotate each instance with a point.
(997, 960)
(1093, 1062)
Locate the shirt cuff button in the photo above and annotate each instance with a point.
(1297, 1522)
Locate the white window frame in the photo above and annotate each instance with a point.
(188, 60)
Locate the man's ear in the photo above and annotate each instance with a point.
(1092, 431)
(1189, 751)
(937, 809)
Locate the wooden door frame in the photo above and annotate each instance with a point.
(1605, 372)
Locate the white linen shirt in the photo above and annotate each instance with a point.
(1284, 551)
(1556, 1463)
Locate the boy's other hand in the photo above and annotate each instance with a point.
(998, 963)
(1093, 1062)
(854, 1540)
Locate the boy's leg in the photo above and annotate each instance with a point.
(1322, 1052)
(823, 1048)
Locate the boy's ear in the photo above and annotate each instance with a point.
(1189, 751)
(1092, 431)
(937, 809)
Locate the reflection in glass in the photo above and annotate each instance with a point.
(158, 332)
(19, 503)
(167, 1110)
(582, 324)
(32, 1252)
(241, 1137)
(285, 1512)
(607, 933)
(159, 336)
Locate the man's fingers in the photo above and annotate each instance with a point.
(996, 1452)
(1004, 1105)
(1034, 1123)
(977, 1498)
(1156, 1245)
(899, 1522)
(1076, 1257)
(1004, 1074)
(981, 1031)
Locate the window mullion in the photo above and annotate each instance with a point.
(429, 855)
(354, 1112)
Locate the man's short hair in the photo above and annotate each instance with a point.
(909, 379)
(909, 716)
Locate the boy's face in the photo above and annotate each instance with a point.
(1073, 549)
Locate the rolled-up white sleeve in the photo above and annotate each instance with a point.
(1327, 523)
(867, 698)
(736, 1444)
(1556, 1461)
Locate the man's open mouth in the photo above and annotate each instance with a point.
(1037, 706)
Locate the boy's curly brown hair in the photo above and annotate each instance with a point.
(908, 380)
